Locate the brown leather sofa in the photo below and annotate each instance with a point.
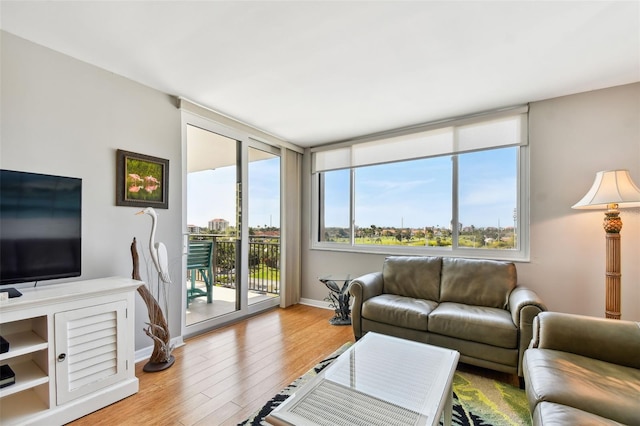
(472, 306)
(583, 370)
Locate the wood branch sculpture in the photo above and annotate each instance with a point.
(157, 329)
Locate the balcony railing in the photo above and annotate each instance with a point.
(264, 262)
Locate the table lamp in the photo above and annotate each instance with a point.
(611, 190)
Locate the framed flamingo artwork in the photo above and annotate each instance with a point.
(141, 180)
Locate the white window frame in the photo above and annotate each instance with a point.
(521, 253)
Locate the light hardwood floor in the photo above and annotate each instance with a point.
(222, 377)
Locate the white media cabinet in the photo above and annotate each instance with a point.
(71, 347)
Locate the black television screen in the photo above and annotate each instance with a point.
(40, 227)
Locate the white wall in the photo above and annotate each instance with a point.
(65, 117)
(571, 139)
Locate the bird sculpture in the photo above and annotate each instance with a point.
(158, 250)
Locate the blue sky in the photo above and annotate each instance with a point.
(211, 194)
(417, 193)
(409, 194)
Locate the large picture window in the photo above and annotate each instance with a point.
(457, 188)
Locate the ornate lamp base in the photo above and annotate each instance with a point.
(612, 226)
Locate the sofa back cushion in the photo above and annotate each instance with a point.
(477, 282)
(417, 277)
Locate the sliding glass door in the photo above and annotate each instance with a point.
(213, 176)
(232, 233)
(264, 223)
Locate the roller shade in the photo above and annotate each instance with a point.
(506, 128)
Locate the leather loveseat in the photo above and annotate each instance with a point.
(583, 371)
(472, 306)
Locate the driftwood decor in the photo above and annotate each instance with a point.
(157, 329)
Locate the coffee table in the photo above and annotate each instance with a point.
(381, 380)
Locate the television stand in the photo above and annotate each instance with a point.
(71, 348)
(12, 292)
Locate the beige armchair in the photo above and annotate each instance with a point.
(582, 370)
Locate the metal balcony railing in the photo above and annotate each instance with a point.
(264, 262)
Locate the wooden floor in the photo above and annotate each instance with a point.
(222, 377)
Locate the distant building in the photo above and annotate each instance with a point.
(193, 229)
(218, 225)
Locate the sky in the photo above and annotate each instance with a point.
(411, 194)
(417, 193)
(211, 195)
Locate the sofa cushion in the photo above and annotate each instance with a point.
(417, 277)
(400, 311)
(477, 282)
(491, 326)
(550, 414)
(607, 390)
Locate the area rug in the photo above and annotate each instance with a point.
(477, 400)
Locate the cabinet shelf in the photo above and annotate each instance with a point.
(21, 407)
(23, 343)
(28, 375)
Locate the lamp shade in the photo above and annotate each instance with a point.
(610, 187)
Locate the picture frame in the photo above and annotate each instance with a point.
(141, 180)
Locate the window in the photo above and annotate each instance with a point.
(336, 195)
(457, 188)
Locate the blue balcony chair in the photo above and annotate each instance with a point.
(199, 259)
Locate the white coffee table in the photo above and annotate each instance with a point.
(381, 380)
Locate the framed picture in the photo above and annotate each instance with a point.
(141, 180)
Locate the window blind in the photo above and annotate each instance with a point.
(494, 130)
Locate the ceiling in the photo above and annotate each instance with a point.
(314, 72)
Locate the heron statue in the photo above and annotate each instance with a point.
(158, 250)
(158, 330)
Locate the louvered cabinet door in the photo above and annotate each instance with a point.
(89, 351)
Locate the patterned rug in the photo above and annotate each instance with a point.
(477, 400)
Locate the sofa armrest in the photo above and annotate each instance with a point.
(608, 340)
(524, 305)
(361, 289)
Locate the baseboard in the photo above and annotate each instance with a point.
(145, 353)
(316, 303)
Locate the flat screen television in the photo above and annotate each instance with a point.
(40, 227)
